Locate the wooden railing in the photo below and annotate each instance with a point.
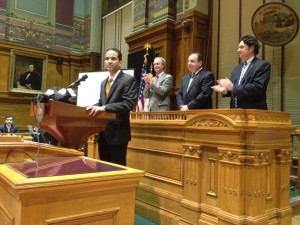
(23, 135)
(296, 134)
(169, 115)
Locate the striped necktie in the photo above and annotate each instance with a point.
(243, 72)
(241, 77)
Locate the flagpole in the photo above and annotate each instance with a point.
(140, 107)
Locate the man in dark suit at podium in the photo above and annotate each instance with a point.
(247, 85)
(195, 90)
(119, 95)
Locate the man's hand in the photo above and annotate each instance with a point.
(223, 86)
(147, 79)
(93, 110)
(184, 108)
(219, 88)
(19, 85)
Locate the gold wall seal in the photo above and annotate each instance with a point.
(275, 24)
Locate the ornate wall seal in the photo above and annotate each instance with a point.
(275, 24)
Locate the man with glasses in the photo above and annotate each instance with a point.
(8, 126)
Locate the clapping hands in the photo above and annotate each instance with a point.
(223, 85)
(148, 77)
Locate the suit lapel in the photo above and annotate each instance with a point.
(161, 77)
(186, 84)
(102, 94)
(196, 78)
(114, 85)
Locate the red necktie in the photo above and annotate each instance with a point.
(156, 78)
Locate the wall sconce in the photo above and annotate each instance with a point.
(59, 60)
(187, 24)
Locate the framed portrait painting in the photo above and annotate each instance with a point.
(27, 72)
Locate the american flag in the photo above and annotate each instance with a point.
(141, 103)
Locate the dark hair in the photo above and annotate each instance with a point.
(117, 51)
(198, 55)
(251, 41)
(9, 117)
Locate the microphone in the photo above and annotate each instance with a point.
(77, 82)
(61, 95)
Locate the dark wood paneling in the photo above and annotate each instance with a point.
(175, 41)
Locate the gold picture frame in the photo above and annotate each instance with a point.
(23, 81)
(275, 24)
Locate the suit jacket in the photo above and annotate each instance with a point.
(199, 95)
(251, 93)
(159, 92)
(121, 99)
(13, 129)
(34, 80)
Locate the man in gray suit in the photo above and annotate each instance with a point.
(158, 88)
(195, 91)
(118, 95)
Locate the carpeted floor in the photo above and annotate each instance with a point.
(294, 192)
(139, 220)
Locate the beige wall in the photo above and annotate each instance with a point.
(229, 21)
(116, 26)
(226, 30)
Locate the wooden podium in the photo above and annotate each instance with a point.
(67, 190)
(213, 166)
(15, 149)
(69, 124)
(61, 186)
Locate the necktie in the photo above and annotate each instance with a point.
(243, 72)
(156, 78)
(241, 77)
(8, 129)
(108, 85)
(191, 80)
